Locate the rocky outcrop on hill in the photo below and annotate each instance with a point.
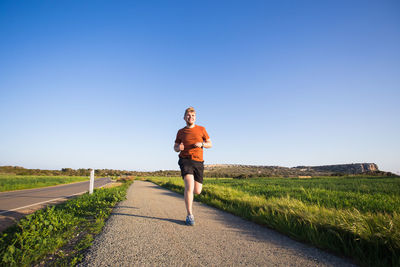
(236, 170)
(354, 168)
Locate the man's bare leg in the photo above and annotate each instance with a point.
(188, 195)
(191, 186)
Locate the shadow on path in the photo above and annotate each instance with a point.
(126, 207)
(180, 222)
(9, 218)
(172, 194)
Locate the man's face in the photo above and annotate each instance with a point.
(190, 118)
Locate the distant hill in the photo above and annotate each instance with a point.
(220, 170)
(355, 168)
(236, 170)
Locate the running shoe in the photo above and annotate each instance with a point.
(190, 220)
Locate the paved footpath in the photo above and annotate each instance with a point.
(148, 229)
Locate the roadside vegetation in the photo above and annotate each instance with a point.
(58, 235)
(17, 182)
(216, 171)
(358, 217)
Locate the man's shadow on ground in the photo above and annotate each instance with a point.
(180, 222)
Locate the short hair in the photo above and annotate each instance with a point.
(189, 109)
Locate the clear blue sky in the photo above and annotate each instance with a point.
(104, 84)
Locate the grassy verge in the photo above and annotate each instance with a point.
(318, 211)
(18, 182)
(59, 234)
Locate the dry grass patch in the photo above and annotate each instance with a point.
(113, 184)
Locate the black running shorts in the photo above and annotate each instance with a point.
(189, 166)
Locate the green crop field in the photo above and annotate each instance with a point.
(358, 217)
(16, 182)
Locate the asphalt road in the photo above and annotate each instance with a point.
(148, 229)
(16, 204)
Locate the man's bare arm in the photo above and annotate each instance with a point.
(178, 147)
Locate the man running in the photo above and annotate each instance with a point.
(190, 142)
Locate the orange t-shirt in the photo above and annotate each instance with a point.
(189, 137)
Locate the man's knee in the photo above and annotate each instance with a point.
(197, 191)
(189, 190)
(197, 188)
(189, 183)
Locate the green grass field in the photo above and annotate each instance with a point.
(18, 182)
(358, 217)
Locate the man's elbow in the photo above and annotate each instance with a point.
(176, 148)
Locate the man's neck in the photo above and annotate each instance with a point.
(190, 125)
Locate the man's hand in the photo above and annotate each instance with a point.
(198, 144)
(181, 147)
(206, 144)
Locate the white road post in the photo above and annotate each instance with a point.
(91, 184)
